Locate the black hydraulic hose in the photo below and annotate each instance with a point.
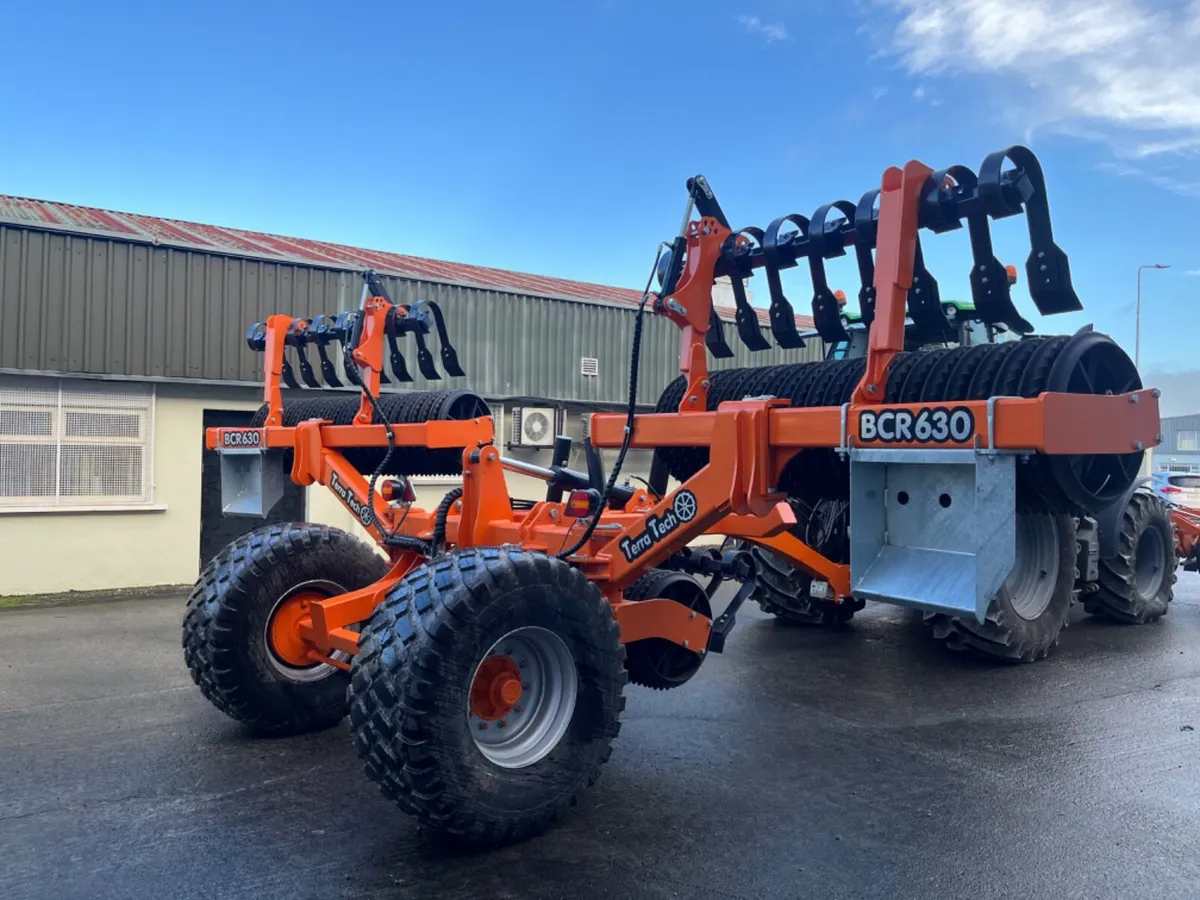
(439, 519)
(390, 538)
(635, 358)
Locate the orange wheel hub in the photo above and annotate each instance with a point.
(496, 688)
(287, 643)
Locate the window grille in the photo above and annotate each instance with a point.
(68, 444)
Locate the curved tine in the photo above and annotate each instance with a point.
(783, 319)
(866, 230)
(745, 318)
(925, 302)
(714, 338)
(827, 315)
(399, 367)
(449, 354)
(288, 376)
(819, 237)
(425, 359)
(1047, 268)
(299, 335)
(256, 337)
(940, 201)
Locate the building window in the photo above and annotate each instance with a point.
(67, 444)
(1186, 440)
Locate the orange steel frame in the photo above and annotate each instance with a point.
(749, 444)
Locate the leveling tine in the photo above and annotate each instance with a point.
(925, 302)
(418, 316)
(866, 230)
(449, 355)
(1002, 193)
(783, 318)
(714, 338)
(391, 329)
(298, 335)
(745, 317)
(322, 332)
(990, 288)
(825, 244)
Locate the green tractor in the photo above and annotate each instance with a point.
(1124, 565)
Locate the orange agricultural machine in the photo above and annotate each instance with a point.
(482, 657)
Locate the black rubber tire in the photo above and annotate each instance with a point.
(223, 630)
(411, 678)
(1118, 596)
(782, 591)
(657, 663)
(1006, 636)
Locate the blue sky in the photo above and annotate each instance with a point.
(556, 137)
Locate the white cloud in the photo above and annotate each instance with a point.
(919, 92)
(1126, 71)
(770, 32)
(1194, 272)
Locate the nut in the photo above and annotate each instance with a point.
(1138, 445)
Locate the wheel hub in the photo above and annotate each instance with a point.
(496, 688)
(521, 697)
(284, 629)
(287, 649)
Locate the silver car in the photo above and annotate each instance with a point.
(1178, 488)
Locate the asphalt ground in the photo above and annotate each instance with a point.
(865, 762)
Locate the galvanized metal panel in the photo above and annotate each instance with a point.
(92, 305)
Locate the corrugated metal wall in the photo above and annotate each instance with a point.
(1170, 431)
(88, 305)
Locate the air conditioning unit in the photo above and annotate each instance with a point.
(497, 411)
(534, 426)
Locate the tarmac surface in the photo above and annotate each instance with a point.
(858, 763)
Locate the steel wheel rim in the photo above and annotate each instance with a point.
(1148, 570)
(534, 725)
(301, 674)
(1032, 582)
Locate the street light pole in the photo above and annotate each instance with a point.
(1137, 341)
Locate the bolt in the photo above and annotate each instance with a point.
(502, 724)
(508, 651)
(554, 513)
(685, 643)
(691, 400)
(704, 384)
(518, 708)
(871, 388)
(483, 726)
(983, 280)
(982, 268)
(525, 685)
(1156, 393)
(1041, 254)
(1135, 398)
(522, 664)
(692, 615)
(1158, 439)
(458, 506)
(1138, 445)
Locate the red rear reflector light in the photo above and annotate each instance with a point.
(395, 490)
(1172, 490)
(1011, 271)
(579, 504)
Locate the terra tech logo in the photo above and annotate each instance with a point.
(682, 509)
(352, 502)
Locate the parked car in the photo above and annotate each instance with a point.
(1179, 488)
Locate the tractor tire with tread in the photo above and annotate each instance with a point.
(782, 591)
(1137, 585)
(411, 690)
(224, 629)
(1007, 634)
